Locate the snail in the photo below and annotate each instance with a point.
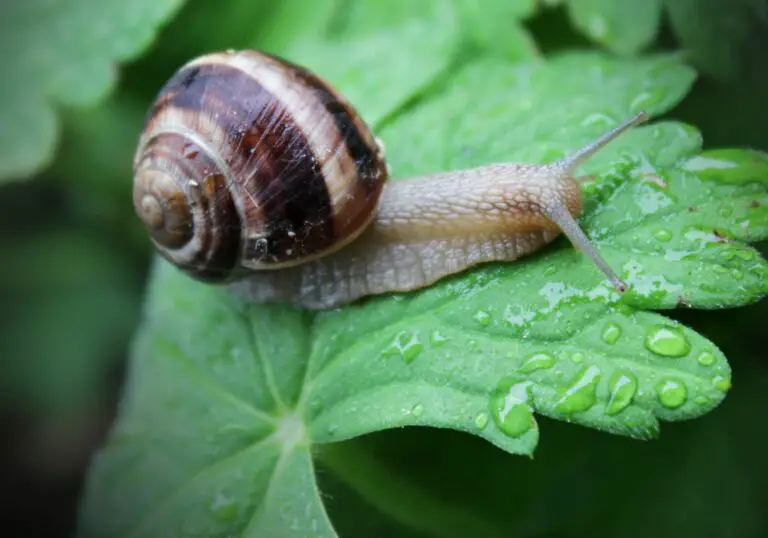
(253, 173)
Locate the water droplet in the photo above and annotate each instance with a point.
(721, 383)
(699, 163)
(623, 386)
(332, 428)
(481, 421)
(580, 396)
(611, 333)
(405, 344)
(537, 361)
(515, 316)
(719, 268)
(701, 400)
(736, 274)
(550, 270)
(663, 235)
(417, 410)
(651, 198)
(746, 255)
(725, 210)
(633, 423)
(510, 407)
(437, 339)
(482, 317)
(727, 255)
(223, 507)
(672, 393)
(577, 357)
(706, 358)
(666, 341)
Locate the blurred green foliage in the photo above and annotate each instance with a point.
(75, 262)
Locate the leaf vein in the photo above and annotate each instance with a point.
(190, 483)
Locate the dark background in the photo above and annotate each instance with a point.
(74, 266)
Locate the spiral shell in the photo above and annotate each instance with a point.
(248, 162)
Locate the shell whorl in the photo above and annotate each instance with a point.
(247, 161)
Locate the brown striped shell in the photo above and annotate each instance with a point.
(248, 162)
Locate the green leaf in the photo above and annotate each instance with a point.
(225, 399)
(621, 26)
(490, 26)
(362, 85)
(58, 55)
(203, 26)
(716, 32)
(703, 477)
(372, 29)
(249, 466)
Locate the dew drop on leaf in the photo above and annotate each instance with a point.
(706, 358)
(611, 333)
(721, 383)
(511, 409)
(672, 393)
(663, 235)
(700, 400)
(717, 268)
(651, 198)
(482, 317)
(577, 357)
(405, 344)
(481, 421)
(666, 341)
(417, 410)
(223, 507)
(537, 361)
(744, 224)
(623, 386)
(746, 255)
(437, 339)
(517, 317)
(581, 394)
(737, 274)
(701, 163)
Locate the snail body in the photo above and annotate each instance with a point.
(254, 173)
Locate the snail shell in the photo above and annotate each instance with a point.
(248, 162)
